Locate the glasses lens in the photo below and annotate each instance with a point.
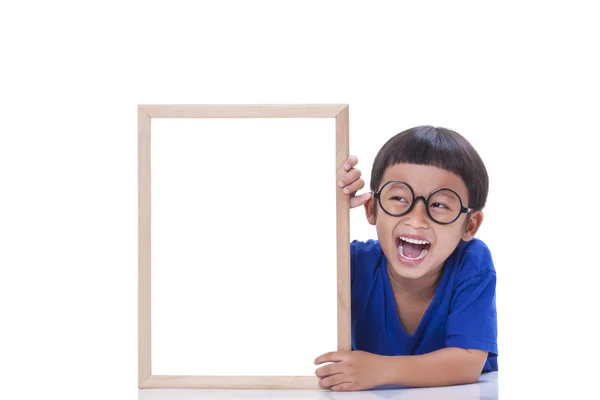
(396, 198)
(444, 206)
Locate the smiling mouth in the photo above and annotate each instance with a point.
(412, 249)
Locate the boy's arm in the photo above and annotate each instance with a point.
(471, 324)
(448, 366)
(360, 370)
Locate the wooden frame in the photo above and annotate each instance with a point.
(145, 114)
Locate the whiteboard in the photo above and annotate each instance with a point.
(243, 262)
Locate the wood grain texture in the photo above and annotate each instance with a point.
(244, 111)
(231, 382)
(144, 326)
(342, 127)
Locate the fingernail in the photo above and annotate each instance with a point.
(341, 183)
(346, 190)
(347, 166)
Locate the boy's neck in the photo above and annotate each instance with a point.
(422, 288)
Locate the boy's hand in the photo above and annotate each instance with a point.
(352, 370)
(351, 182)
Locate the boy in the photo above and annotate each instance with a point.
(423, 294)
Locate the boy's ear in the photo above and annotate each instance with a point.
(473, 224)
(370, 210)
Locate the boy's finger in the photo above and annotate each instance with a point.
(342, 387)
(333, 356)
(329, 369)
(350, 162)
(334, 380)
(354, 187)
(350, 177)
(359, 200)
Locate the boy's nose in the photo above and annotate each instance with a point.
(417, 217)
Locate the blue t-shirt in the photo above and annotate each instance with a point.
(461, 314)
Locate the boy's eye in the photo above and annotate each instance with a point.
(398, 198)
(438, 205)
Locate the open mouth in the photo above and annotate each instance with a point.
(412, 249)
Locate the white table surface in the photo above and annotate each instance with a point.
(485, 389)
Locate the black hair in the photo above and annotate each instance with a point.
(439, 147)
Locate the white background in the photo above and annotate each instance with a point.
(518, 79)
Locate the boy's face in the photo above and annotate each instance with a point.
(415, 260)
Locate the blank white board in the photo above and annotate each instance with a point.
(243, 259)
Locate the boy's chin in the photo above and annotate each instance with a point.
(409, 272)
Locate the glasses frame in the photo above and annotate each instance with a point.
(463, 209)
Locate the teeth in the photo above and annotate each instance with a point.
(423, 254)
(415, 241)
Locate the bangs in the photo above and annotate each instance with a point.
(438, 147)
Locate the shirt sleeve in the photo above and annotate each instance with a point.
(472, 320)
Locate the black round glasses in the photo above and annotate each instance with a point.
(443, 205)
